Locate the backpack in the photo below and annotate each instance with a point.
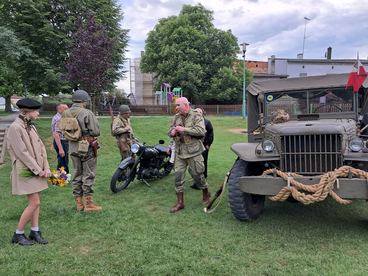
(69, 125)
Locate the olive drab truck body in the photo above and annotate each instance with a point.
(304, 142)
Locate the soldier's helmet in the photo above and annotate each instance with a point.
(124, 108)
(80, 96)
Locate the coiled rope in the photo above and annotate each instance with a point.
(316, 192)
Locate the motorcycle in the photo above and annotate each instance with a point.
(145, 163)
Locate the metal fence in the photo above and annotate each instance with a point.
(148, 110)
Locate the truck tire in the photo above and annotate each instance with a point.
(244, 206)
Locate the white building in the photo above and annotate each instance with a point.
(2, 103)
(300, 67)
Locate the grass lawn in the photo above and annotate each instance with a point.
(136, 235)
(3, 113)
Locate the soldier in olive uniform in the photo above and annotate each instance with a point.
(84, 163)
(188, 129)
(123, 132)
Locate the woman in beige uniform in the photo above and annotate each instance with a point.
(30, 169)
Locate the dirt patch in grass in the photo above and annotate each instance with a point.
(238, 130)
(84, 250)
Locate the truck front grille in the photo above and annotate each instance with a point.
(311, 154)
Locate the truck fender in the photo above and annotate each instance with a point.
(247, 152)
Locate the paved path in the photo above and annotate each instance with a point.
(5, 121)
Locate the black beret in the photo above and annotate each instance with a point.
(29, 103)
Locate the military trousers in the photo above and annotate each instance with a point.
(84, 175)
(124, 148)
(195, 167)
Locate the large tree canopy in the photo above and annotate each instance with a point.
(12, 52)
(188, 51)
(90, 61)
(46, 27)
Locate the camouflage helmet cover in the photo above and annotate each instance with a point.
(80, 96)
(124, 108)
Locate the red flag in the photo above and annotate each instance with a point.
(357, 76)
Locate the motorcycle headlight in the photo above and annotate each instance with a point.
(356, 144)
(268, 145)
(134, 148)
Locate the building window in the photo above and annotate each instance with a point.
(303, 66)
(302, 74)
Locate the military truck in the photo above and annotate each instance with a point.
(306, 126)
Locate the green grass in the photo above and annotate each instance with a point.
(3, 113)
(136, 235)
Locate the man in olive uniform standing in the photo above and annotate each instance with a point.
(122, 130)
(84, 163)
(188, 129)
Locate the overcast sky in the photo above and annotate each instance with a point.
(271, 27)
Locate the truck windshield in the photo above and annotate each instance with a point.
(308, 102)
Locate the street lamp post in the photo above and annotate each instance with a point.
(244, 108)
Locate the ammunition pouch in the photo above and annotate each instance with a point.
(85, 142)
(83, 147)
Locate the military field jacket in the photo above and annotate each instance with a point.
(122, 129)
(189, 144)
(88, 123)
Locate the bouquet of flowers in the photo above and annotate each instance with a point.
(59, 177)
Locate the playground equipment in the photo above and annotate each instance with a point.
(165, 96)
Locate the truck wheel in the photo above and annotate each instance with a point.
(244, 206)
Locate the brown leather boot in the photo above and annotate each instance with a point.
(179, 203)
(89, 206)
(79, 203)
(206, 197)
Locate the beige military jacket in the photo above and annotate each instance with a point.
(122, 129)
(26, 151)
(190, 143)
(88, 123)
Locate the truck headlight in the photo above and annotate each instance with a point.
(268, 146)
(356, 144)
(135, 148)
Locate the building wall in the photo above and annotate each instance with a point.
(141, 84)
(310, 67)
(257, 66)
(300, 69)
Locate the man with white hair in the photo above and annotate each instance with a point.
(188, 130)
(61, 145)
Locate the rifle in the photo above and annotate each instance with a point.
(217, 197)
(122, 146)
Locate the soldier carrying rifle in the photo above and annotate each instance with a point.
(122, 130)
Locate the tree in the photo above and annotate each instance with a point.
(12, 52)
(226, 84)
(46, 27)
(188, 51)
(91, 58)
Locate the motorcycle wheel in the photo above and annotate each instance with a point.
(122, 178)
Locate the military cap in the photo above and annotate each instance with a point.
(80, 96)
(29, 104)
(124, 108)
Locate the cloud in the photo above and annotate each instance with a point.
(271, 27)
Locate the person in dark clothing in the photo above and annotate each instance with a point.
(207, 142)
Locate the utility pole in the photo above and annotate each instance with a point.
(244, 108)
(306, 19)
